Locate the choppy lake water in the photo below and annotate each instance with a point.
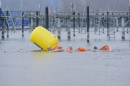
(23, 64)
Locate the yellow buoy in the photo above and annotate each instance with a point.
(43, 38)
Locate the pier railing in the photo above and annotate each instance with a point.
(13, 20)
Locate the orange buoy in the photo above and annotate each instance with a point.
(82, 49)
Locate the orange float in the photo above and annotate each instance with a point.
(82, 49)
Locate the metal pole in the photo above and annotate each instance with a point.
(68, 28)
(88, 24)
(79, 21)
(103, 23)
(123, 28)
(117, 24)
(108, 32)
(53, 24)
(47, 18)
(3, 28)
(7, 14)
(59, 32)
(31, 23)
(37, 19)
(73, 24)
(22, 25)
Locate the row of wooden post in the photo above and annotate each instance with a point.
(4, 24)
(68, 29)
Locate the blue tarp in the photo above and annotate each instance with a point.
(17, 22)
(1, 12)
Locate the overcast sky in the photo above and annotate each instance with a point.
(29, 4)
(64, 5)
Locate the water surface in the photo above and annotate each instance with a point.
(23, 64)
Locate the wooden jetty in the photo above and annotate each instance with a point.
(56, 21)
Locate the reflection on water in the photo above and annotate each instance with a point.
(40, 55)
(41, 58)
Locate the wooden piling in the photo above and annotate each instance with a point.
(3, 28)
(68, 28)
(87, 37)
(103, 30)
(123, 28)
(102, 20)
(127, 30)
(37, 19)
(108, 29)
(79, 21)
(117, 24)
(73, 24)
(47, 18)
(22, 24)
(31, 23)
(69, 34)
(66, 23)
(59, 31)
(88, 22)
(7, 14)
(59, 34)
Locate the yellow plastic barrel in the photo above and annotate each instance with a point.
(43, 38)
